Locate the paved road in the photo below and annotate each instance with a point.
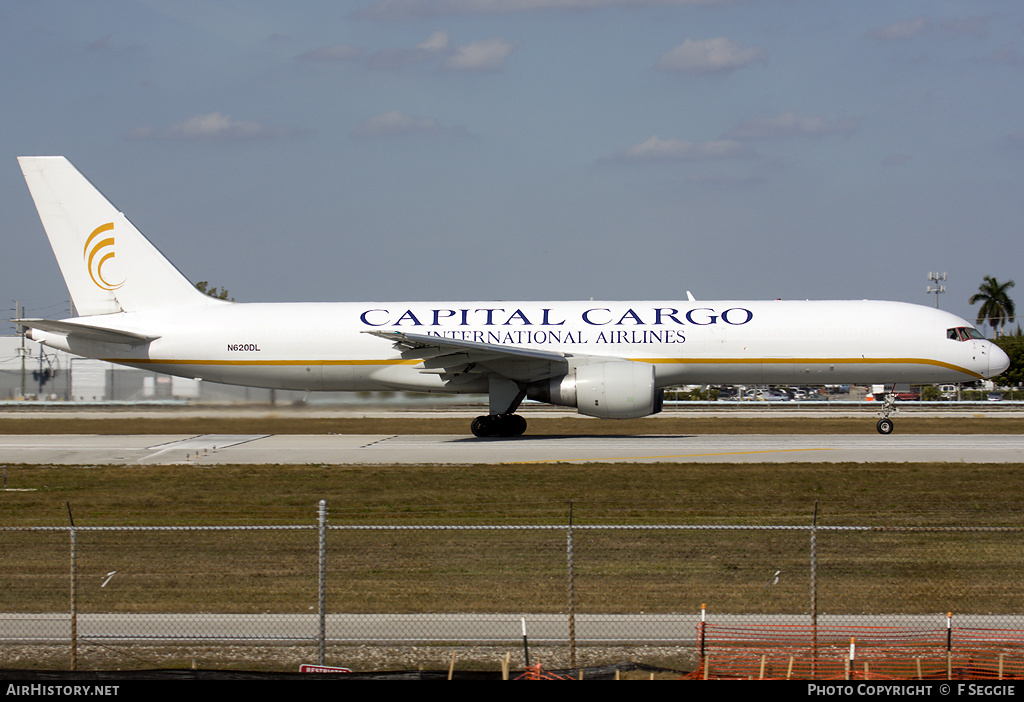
(666, 629)
(352, 449)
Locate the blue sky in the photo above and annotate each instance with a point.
(530, 149)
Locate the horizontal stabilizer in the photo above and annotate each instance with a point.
(87, 331)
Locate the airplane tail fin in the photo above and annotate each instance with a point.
(108, 265)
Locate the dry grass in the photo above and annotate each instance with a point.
(604, 493)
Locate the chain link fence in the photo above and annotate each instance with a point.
(395, 595)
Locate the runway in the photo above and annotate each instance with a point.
(352, 449)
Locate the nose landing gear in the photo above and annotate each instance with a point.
(885, 425)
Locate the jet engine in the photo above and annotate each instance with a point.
(611, 390)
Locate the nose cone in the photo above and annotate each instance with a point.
(998, 361)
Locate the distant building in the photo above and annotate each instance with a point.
(31, 371)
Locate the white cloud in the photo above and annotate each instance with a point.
(336, 52)
(974, 26)
(483, 55)
(410, 9)
(902, 30)
(437, 41)
(658, 149)
(214, 126)
(790, 124)
(434, 47)
(709, 57)
(968, 26)
(395, 123)
(1008, 55)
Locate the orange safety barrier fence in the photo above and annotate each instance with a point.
(795, 652)
(535, 672)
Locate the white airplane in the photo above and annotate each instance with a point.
(606, 359)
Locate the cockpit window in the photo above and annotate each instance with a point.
(963, 333)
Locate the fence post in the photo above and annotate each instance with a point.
(321, 598)
(703, 636)
(949, 646)
(814, 589)
(571, 567)
(74, 590)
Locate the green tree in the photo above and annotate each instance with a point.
(204, 287)
(1013, 345)
(996, 306)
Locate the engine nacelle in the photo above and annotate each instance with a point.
(612, 390)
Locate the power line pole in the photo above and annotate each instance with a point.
(19, 312)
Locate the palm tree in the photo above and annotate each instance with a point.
(996, 306)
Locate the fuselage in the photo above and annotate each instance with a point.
(322, 346)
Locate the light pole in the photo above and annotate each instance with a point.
(935, 278)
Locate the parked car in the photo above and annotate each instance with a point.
(766, 395)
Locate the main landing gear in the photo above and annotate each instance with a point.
(885, 425)
(499, 425)
(503, 398)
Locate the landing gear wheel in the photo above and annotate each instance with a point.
(518, 425)
(481, 427)
(503, 425)
(888, 408)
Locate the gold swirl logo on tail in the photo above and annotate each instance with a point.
(97, 252)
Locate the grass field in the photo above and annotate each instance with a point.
(771, 493)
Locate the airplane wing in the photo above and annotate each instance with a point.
(454, 358)
(87, 331)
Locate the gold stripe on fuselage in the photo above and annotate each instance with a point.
(812, 361)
